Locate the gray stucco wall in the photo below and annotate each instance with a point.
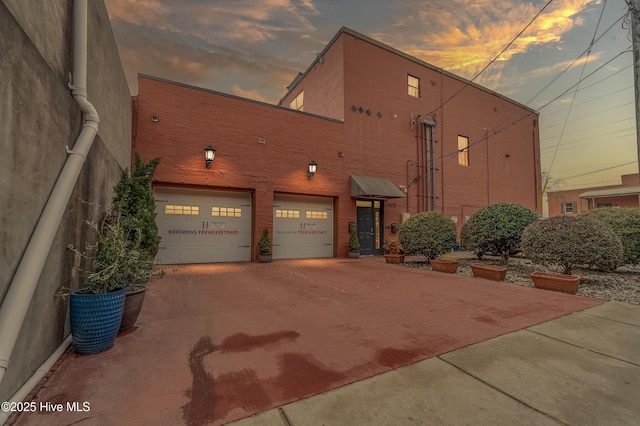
(38, 118)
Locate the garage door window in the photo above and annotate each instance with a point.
(288, 214)
(316, 215)
(190, 210)
(226, 211)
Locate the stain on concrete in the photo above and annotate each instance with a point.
(241, 342)
(393, 357)
(302, 375)
(239, 389)
(200, 409)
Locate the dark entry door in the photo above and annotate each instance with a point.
(365, 230)
(370, 226)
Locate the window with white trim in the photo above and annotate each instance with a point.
(569, 208)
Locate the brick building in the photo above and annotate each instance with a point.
(388, 134)
(576, 201)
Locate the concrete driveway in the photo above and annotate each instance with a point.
(218, 343)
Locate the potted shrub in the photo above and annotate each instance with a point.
(496, 228)
(133, 199)
(393, 251)
(264, 244)
(354, 244)
(114, 262)
(625, 222)
(430, 234)
(568, 242)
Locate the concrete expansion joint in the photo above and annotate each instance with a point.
(583, 348)
(462, 370)
(284, 416)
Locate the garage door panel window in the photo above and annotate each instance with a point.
(226, 211)
(185, 210)
(288, 214)
(317, 215)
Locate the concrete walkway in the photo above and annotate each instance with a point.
(354, 342)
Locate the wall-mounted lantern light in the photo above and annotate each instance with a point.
(209, 155)
(312, 169)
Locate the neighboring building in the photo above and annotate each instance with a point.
(390, 136)
(575, 201)
(38, 120)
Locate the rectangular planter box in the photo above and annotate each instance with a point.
(444, 265)
(394, 258)
(489, 272)
(555, 281)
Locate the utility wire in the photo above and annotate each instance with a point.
(492, 61)
(584, 66)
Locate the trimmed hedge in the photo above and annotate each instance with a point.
(571, 241)
(430, 234)
(496, 228)
(625, 222)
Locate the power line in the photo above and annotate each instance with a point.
(492, 61)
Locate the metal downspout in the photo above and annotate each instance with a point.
(16, 303)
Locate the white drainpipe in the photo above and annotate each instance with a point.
(16, 303)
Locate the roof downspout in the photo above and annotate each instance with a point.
(16, 303)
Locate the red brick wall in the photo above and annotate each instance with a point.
(353, 73)
(190, 119)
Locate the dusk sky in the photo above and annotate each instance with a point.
(254, 49)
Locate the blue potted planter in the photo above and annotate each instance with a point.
(95, 319)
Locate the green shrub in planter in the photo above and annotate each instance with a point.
(625, 222)
(496, 228)
(354, 243)
(430, 234)
(133, 199)
(571, 241)
(264, 242)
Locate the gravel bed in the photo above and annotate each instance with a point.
(622, 285)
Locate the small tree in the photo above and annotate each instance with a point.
(570, 241)
(430, 234)
(133, 199)
(496, 228)
(264, 243)
(354, 243)
(625, 222)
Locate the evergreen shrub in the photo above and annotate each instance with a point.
(430, 234)
(625, 222)
(572, 241)
(496, 228)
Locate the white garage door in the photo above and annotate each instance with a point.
(201, 226)
(302, 226)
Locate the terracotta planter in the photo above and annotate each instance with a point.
(555, 281)
(444, 265)
(394, 258)
(489, 272)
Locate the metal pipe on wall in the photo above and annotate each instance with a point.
(25, 280)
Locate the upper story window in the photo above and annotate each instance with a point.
(568, 208)
(413, 85)
(463, 150)
(298, 102)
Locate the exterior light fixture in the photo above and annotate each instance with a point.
(209, 155)
(312, 169)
